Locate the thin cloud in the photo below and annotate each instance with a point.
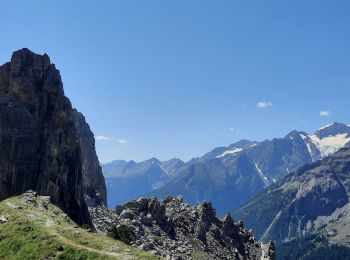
(264, 104)
(325, 113)
(233, 130)
(122, 141)
(101, 138)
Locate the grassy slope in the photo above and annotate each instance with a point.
(37, 233)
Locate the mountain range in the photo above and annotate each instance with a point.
(227, 176)
(127, 180)
(293, 190)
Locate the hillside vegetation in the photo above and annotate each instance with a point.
(33, 228)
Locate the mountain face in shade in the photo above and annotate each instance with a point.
(94, 186)
(130, 180)
(229, 176)
(315, 199)
(40, 140)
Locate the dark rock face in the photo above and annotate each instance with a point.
(39, 141)
(175, 230)
(93, 182)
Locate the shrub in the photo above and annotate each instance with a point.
(122, 233)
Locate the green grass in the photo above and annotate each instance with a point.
(36, 233)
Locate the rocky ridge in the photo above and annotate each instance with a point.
(175, 230)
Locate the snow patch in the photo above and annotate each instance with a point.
(304, 137)
(326, 126)
(307, 142)
(309, 149)
(164, 170)
(263, 177)
(232, 151)
(330, 144)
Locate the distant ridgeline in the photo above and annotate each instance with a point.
(131, 180)
(45, 144)
(226, 176)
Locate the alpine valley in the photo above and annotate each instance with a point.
(53, 199)
(109, 146)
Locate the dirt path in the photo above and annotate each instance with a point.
(50, 227)
(53, 232)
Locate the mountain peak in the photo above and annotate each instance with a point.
(332, 130)
(293, 134)
(153, 160)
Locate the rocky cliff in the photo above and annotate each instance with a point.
(94, 186)
(40, 146)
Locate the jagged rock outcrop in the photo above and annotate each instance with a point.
(94, 186)
(39, 141)
(175, 230)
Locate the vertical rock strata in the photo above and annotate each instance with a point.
(94, 186)
(39, 141)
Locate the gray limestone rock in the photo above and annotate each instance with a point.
(174, 230)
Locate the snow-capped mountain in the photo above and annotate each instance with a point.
(325, 141)
(331, 138)
(229, 176)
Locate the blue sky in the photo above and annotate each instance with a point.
(178, 78)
